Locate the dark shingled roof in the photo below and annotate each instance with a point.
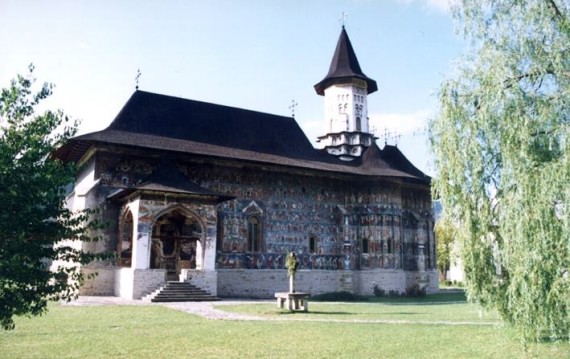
(172, 117)
(396, 159)
(156, 122)
(344, 67)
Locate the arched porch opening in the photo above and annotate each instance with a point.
(125, 242)
(176, 238)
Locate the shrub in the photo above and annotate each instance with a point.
(415, 291)
(394, 293)
(379, 292)
(338, 297)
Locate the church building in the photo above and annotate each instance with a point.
(218, 196)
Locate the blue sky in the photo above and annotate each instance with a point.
(252, 54)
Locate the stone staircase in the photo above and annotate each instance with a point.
(175, 291)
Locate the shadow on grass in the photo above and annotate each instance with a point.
(317, 312)
(431, 299)
(417, 303)
(297, 312)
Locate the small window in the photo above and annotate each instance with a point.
(253, 234)
(365, 249)
(312, 244)
(358, 126)
(390, 246)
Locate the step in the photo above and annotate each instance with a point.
(183, 295)
(175, 291)
(172, 300)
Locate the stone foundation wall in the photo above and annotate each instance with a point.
(204, 279)
(136, 283)
(388, 280)
(102, 284)
(429, 278)
(146, 281)
(433, 286)
(124, 283)
(264, 283)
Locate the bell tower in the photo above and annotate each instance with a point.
(345, 89)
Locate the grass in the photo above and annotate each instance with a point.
(430, 313)
(435, 308)
(158, 332)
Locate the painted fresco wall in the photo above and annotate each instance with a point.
(328, 222)
(336, 213)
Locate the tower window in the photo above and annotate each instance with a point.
(358, 125)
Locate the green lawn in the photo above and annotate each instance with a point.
(159, 332)
(454, 313)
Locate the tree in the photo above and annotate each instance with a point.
(292, 264)
(445, 235)
(36, 229)
(502, 155)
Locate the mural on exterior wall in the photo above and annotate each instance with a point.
(330, 225)
(297, 209)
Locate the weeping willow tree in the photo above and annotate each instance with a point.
(502, 155)
(445, 234)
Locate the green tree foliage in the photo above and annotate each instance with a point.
(502, 153)
(445, 235)
(33, 216)
(292, 264)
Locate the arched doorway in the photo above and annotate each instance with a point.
(175, 236)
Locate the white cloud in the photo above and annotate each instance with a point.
(442, 6)
(439, 5)
(399, 123)
(84, 45)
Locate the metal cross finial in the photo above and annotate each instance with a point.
(391, 136)
(137, 79)
(292, 107)
(396, 136)
(373, 130)
(343, 17)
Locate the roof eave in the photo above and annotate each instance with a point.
(371, 85)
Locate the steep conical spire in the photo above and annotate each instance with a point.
(344, 66)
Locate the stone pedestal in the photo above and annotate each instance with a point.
(295, 301)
